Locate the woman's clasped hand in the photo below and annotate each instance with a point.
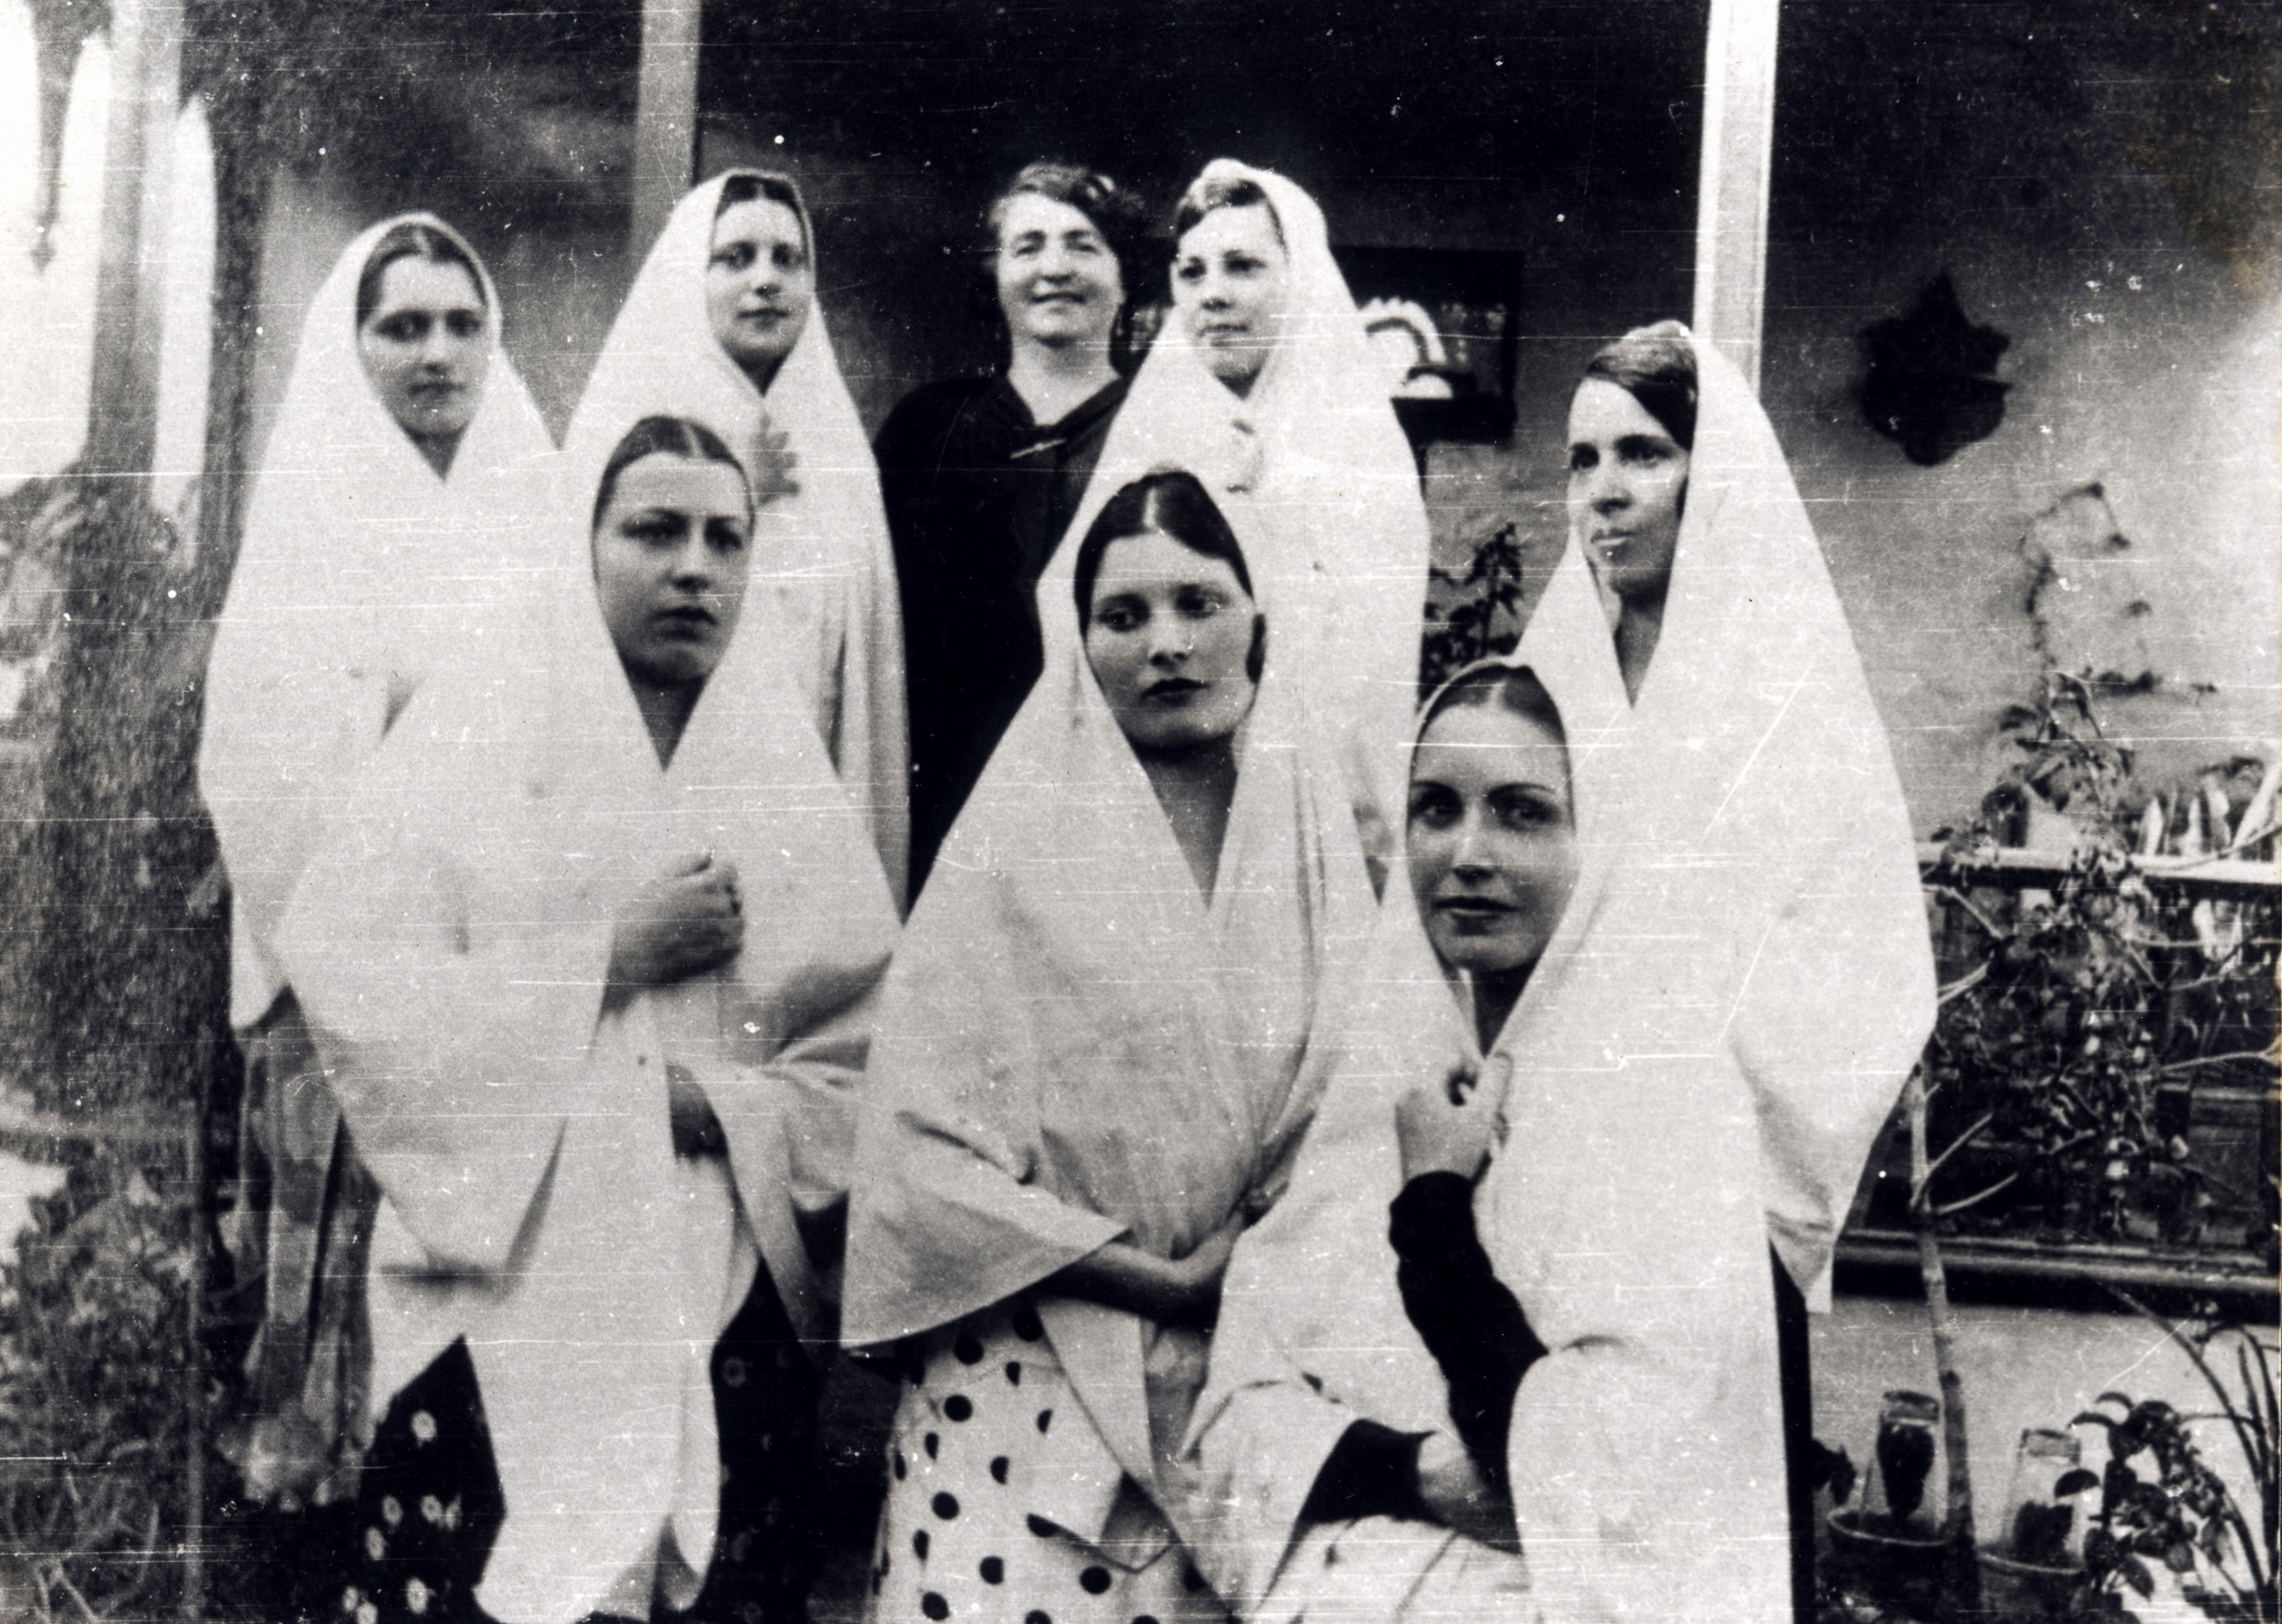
(681, 921)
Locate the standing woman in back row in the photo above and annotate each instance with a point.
(982, 475)
(722, 326)
(395, 522)
(1716, 705)
(1264, 382)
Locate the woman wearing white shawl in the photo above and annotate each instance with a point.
(823, 566)
(1283, 412)
(1087, 1065)
(587, 1166)
(1618, 1217)
(394, 522)
(1719, 712)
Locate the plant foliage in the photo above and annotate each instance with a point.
(1475, 615)
(2063, 1062)
(2162, 1502)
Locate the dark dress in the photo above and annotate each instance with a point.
(977, 495)
(1479, 1336)
(429, 1505)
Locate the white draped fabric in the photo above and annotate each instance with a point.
(451, 947)
(1076, 1045)
(360, 573)
(1314, 461)
(824, 572)
(1621, 1207)
(1754, 783)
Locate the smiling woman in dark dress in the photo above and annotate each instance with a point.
(981, 475)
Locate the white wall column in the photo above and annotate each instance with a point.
(130, 264)
(1731, 184)
(666, 116)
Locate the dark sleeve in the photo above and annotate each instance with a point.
(1469, 1321)
(1371, 1471)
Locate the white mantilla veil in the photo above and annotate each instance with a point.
(1075, 1044)
(822, 564)
(1316, 461)
(1753, 775)
(1621, 1207)
(360, 572)
(451, 946)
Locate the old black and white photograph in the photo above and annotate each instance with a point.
(1072, 811)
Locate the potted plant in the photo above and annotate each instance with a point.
(2161, 1503)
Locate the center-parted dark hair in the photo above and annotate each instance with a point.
(410, 240)
(675, 436)
(765, 188)
(1656, 366)
(1515, 688)
(1222, 192)
(1113, 211)
(1172, 502)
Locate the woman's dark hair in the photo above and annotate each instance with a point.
(1656, 366)
(1222, 191)
(1515, 688)
(1172, 502)
(410, 240)
(1115, 213)
(675, 436)
(746, 187)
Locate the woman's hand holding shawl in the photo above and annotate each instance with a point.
(1452, 1127)
(683, 920)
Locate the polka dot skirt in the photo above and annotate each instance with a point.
(428, 1505)
(958, 1540)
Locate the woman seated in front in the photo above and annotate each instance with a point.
(1505, 1342)
(1086, 1077)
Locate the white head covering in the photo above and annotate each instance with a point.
(1314, 459)
(1754, 774)
(1076, 1045)
(451, 948)
(1621, 1209)
(823, 570)
(361, 570)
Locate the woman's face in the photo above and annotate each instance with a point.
(424, 346)
(1059, 284)
(1170, 640)
(672, 552)
(1232, 280)
(760, 284)
(1628, 479)
(1493, 836)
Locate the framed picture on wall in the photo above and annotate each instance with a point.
(1445, 319)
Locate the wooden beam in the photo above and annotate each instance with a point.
(1732, 182)
(146, 38)
(666, 116)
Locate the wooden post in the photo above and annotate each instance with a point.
(1731, 185)
(666, 116)
(130, 283)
